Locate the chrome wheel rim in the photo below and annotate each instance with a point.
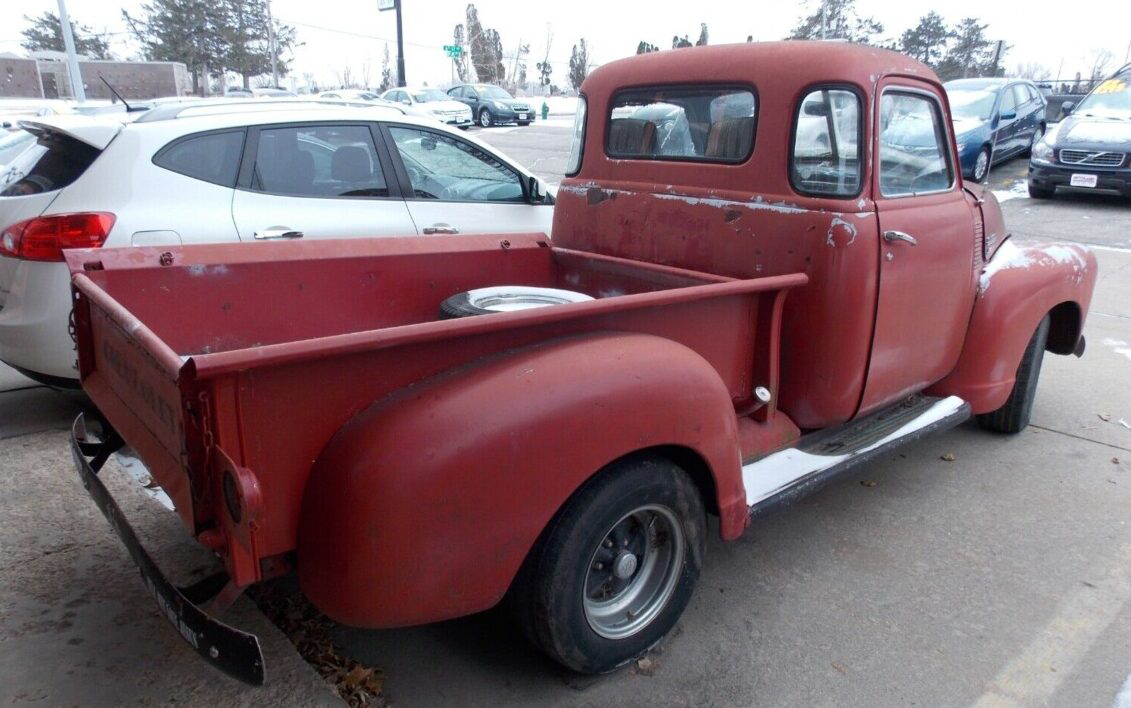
(633, 571)
(513, 298)
(980, 166)
(485, 119)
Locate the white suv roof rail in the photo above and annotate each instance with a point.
(192, 109)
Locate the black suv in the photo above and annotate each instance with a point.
(1091, 148)
(491, 105)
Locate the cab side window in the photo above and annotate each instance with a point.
(825, 159)
(913, 146)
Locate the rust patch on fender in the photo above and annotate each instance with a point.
(732, 215)
(596, 195)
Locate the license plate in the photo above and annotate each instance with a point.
(522, 116)
(1083, 180)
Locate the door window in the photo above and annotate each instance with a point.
(212, 157)
(826, 144)
(443, 167)
(318, 161)
(913, 153)
(1008, 103)
(1020, 94)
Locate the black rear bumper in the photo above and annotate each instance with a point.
(234, 652)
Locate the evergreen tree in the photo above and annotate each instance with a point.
(646, 48)
(578, 64)
(702, 41)
(486, 49)
(839, 20)
(680, 42)
(970, 52)
(46, 32)
(927, 40)
(386, 71)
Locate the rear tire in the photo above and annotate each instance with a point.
(1014, 416)
(615, 569)
(1036, 192)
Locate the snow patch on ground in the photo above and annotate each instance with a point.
(1120, 347)
(1020, 189)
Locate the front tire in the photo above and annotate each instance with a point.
(615, 568)
(1014, 416)
(485, 119)
(981, 166)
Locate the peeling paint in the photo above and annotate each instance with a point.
(840, 234)
(1009, 256)
(757, 204)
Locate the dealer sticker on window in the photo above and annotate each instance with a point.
(1083, 181)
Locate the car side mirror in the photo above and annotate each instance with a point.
(1009, 116)
(406, 101)
(535, 192)
(1067, 107)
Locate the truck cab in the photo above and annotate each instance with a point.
(775, 274)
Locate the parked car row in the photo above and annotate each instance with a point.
(214, 171)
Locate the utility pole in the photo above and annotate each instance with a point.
(271, 46)
(400, 48)
(72, 58)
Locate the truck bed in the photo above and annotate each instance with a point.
(233, 361)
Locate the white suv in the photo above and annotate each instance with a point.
(214, 172)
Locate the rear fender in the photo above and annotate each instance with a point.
(424, 506)
(1017, 288)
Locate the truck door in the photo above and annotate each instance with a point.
(926, 256)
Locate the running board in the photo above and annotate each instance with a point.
(785, 476)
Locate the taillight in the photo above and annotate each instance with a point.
(44, 237)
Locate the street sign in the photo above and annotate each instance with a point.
(383, 5)
(453, 50)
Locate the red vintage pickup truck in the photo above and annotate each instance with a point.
(774, 271)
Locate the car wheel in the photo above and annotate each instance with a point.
(1013, 417)
(505, 298)
(485, 118)
(1040, 192)
(1037, 135)
(615, 568)
(981, 165)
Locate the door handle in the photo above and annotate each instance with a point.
(441, 229)
(277, 232)
(890, 236)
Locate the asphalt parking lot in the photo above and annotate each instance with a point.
(999, 576)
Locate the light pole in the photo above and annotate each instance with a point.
(72, 58)
(383, 5)
(271, 46)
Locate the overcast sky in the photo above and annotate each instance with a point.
(336, 34)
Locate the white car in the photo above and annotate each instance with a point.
(433, 103)
(216, 172)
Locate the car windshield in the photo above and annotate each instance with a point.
(429, 95)
(971, 105)
(1111, 99)
(493, 92)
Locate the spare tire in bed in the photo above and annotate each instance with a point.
(505, 298)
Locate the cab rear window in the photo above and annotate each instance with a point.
(701, 124)
(55, 161)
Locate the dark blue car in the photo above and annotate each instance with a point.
(994, 120)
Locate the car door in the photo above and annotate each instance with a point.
(317, 180)
(926, 286)
(454, 186)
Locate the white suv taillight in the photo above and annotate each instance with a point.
(45, 237)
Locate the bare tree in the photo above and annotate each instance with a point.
(1032, 70)
(1100, 60)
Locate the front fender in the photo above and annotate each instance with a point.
(424, 506)
(1017, 288)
